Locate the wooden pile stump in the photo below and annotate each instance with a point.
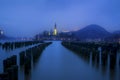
(22, 58)
(10, 69)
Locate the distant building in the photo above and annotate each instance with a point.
(55, 32)
(50, 32)
(46, 33)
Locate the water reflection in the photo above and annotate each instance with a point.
(58, 63)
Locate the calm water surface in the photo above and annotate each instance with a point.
(59, 63)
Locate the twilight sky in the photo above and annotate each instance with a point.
(28, 17)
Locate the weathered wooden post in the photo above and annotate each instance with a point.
(13, 72)
(22, 58)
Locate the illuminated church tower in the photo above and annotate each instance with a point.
(55, 32)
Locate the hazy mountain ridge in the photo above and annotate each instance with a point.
(116, 32)
(92, 31)
(115, 35)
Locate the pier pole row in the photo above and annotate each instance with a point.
(13, 45)
(31, 55)
(84, 49)
(10, 67)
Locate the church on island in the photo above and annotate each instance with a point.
(53, 32)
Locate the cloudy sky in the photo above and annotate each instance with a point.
(28, 17)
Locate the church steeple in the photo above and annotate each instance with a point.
(55, 30)
(55, 25)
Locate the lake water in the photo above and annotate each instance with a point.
(59, 63)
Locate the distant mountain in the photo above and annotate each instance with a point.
(114, 35)
(116, 32)
(92, 32)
